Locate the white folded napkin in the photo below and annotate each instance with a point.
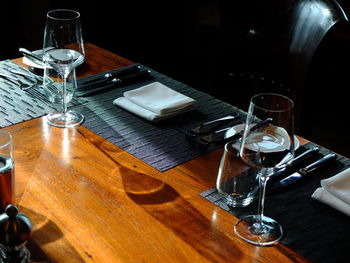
(155, 102)
(335, 192)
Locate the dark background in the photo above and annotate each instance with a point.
(172, 36)
(183, 39)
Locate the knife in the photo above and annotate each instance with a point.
(294, 162)
(210, 126)
(110, 76)
(32, 56)
(9, 78)
(209, 139)
(239, 135)
(301, 173)
(116, 82)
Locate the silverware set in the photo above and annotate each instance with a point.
(303, 166)
(212, 131)
(25, 79)
(123, 76)
(209, 132)
(20, 77)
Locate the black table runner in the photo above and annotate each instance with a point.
(161, 145)
(313, 229)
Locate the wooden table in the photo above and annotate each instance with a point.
(90, 201)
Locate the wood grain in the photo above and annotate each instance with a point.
(90, 201)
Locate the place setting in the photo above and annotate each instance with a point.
(266, 171)
(39, 95)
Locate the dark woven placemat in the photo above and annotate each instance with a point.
(161, 145)
(18, 105)
(313, 229)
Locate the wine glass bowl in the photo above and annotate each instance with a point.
(269, 148)
(63, 51)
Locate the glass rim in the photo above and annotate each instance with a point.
(288, 108)
(229, 147)
(9, 139)
(75, 16)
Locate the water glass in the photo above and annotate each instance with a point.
(63, 48)
(7, 175)
(237, 182)
(52, 84)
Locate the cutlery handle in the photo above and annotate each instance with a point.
(223, 119)
(132, 77)
(9, 78)
(124, 72)
(111, 75)
(297, 160)
(237, 136)
(318, 163)
(102, 86)
(261, 124)
(26, 75)
(31, 55)
(303, 156)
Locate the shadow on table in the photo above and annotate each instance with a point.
(172, 210)
(40, 237)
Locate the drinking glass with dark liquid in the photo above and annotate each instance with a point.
(7, 175)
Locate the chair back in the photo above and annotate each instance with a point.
(267, 46)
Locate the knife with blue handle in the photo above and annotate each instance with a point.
(301, 173)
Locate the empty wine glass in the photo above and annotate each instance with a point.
(63, 50)
(273, 146)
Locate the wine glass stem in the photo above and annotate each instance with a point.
(262, 181)
(64, 88)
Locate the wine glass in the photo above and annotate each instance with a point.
(273, 146)
(63, 50)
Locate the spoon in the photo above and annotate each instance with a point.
(28, 76)
(22, 85)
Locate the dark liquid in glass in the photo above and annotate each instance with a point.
(6, 182)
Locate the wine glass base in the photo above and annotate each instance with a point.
(251, 231)
(67, 120)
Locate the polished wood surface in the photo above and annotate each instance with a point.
(90, 201)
